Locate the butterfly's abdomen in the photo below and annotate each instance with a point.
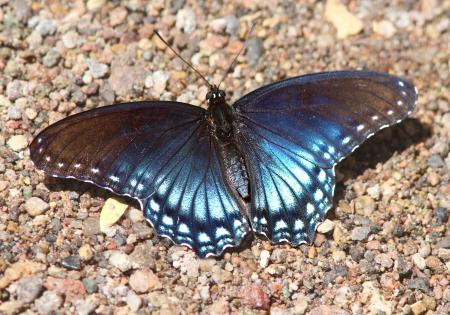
(235, 168)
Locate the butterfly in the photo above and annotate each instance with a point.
(205, 178)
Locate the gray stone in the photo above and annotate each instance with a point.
(157, 82)
(48, 303)
(70, 39)
(435, 161)
(52, 58)
(91, 226)
(28, 289)
(15, 89)
(97, 69)
(142, 230)
(384, 260)
(46, 27)
(233, 25)
(360, 233)
(71, 262)
(90, 285)
(186, 20)
(441, 214)
(85, 307)
(255, 50)
(79, 97)
(120, 260)
(134, 302)
(444, 243)
(22, 9)
(14, 113)
(419, 284)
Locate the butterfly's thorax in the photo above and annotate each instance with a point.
(220, 120)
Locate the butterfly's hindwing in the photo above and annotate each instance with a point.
(192, 203)
(290, 195)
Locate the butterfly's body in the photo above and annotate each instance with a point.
(206, 178)
(223, 129)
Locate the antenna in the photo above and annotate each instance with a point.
(237, 55)
(184, 60)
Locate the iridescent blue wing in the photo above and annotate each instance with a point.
(323, 117)
(160, 153)
(293, 132)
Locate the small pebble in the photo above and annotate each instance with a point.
(134, 302)
(418, 308)
(384, 28)
(143, 281)
(17, 143)
(52, 58)
(14, 113)
(28, 289)
(36, 206)
(71, 262)
(90, 285)
(157, 82)
(325, 227)
(419, 261)
(94, 5)
(186, 20)
(441, 214)
(360, 233)
(85, 252)
(384, 260)
(97, 69)
(48, 303)
(46, 27)
(11, 307)
(70, 39)
(364, 205)
(254, 50)
(120, 260)
(264, 258)
(256, 297)
(135, 215)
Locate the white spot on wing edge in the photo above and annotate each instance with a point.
(346, 140)
(360, 127)
(280, 225)
(167, 220)
(309, 208)
(204, 238)
(399, 102)
(390, 112)
(155, 206)
(114, 178)
(401, 83)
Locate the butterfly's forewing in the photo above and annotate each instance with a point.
(160, 153)
(293, 132)
(323, 117)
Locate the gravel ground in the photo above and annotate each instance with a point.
(385, 247)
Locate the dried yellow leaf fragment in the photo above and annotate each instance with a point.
(111, 212)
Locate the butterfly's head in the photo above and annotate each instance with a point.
(215, 95)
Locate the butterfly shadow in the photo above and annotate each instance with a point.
(378, 149)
